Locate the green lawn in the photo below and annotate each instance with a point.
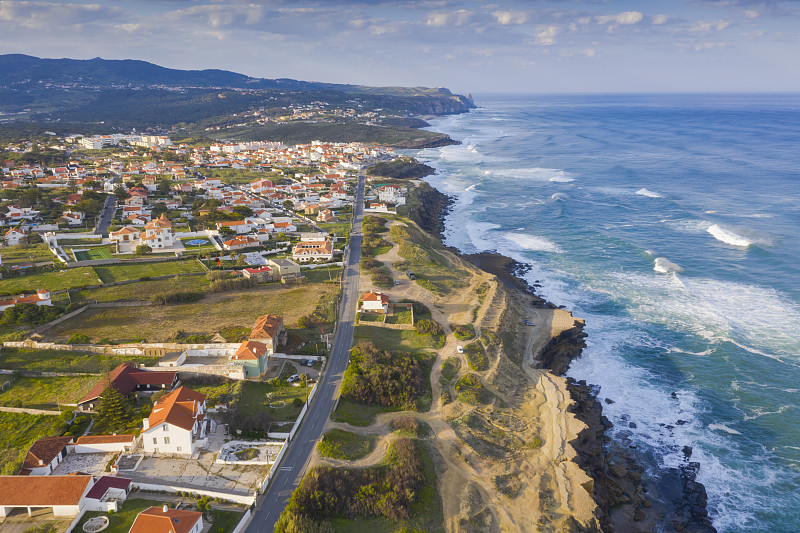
(43, 393)
(340, 229)
(399, 315)
(322, 275)
(26, 253)
(66, 278)
(18, 431)
(61, 361)
(139, 270)
(122, 520)
(224, 521)
(358, 414)
(370, 317)
(197, 247)
(340, 444)
(406, 340)
(90, 254)
(256, 398)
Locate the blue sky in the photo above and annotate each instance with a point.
(546, 46)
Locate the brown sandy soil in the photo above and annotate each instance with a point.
(495, 478)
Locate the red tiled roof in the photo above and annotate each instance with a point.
(155, 520)
(126, 377)
(267, 326)
(250, 350)
(102, 485)
(178, 408)
(45, 450)
(42, 491)
(104, 439)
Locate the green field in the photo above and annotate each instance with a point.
(150, 269)
(92, 254)
(256, 397)
(46, 393)
(26, 253)
(122, 520)
(66, 278)
(403, 340)
(213, 314)
(142, 290)
(341, 444)
(18, 431)
(358, 414)
(62, 361)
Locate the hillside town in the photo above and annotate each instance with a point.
(126, 211)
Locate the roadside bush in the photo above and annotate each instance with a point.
(216, 275)
(79, 338)
(406, 424)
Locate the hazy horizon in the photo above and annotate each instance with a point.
(509, 46)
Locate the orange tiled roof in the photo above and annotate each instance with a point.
(45, 450)
(250, 351)
(267, 326)
(42, 491)
(104, 439)
(155, 520)
(178, 408)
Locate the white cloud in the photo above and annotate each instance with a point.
(751, 13)
(589, 52)
(707, 27)
(546, 37)
(626, 17)
(660, 19)
(448, 18)
(510, 17)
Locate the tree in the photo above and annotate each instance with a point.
(112, 415)
(226, 231)
(120, 192)
(143, 249)
(287, 204)
(163, 186)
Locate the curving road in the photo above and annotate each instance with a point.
(297, 457)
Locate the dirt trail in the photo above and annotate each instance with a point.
(528, 405)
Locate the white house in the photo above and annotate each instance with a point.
(392, 194)
(313, 251)
(73, 218)
(44, 455)
(14, 236)
(64, 495)
(177, 423)
(42, 297)
(375, 302)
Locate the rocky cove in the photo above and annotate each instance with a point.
(629, 496)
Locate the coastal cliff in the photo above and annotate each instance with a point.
(628, 498)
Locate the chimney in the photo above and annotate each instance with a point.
(165, 508)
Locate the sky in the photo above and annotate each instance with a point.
(533, 46)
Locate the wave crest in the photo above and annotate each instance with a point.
(728, 237)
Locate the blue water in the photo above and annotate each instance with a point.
(672, 225)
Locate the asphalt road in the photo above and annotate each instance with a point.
(106, 215)
(297, 457)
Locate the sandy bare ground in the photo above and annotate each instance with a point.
(546, 486)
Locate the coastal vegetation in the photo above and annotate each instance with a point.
(401, 168)
(341, 444)
(423, 255)
(18, 431)
(399, 493)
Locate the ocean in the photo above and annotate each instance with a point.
(671, 224)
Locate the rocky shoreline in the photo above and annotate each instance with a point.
(630, 498)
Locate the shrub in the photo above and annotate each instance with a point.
(405, 423)
(464, 332)
(383, 378)
(476, 357)
(143, 249)
(297, 402)
(225, 285)
(428, 326)
(79, 338)
(178, 297)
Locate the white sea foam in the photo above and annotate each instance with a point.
(723, 427)
(649, 193)
(533, 242)
(534, 174)
(559, 196)
(728, 237)
(665, 266)
(561, 179)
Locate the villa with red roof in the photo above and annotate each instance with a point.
(253, 356)
(177, 423)
(375, 302)
(127, 378)
(304, 252)
(42, 297)
(270, 331)
(157, 233)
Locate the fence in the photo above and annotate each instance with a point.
(236, 498)
(75, 521)
(244, 522)
(23, 410)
